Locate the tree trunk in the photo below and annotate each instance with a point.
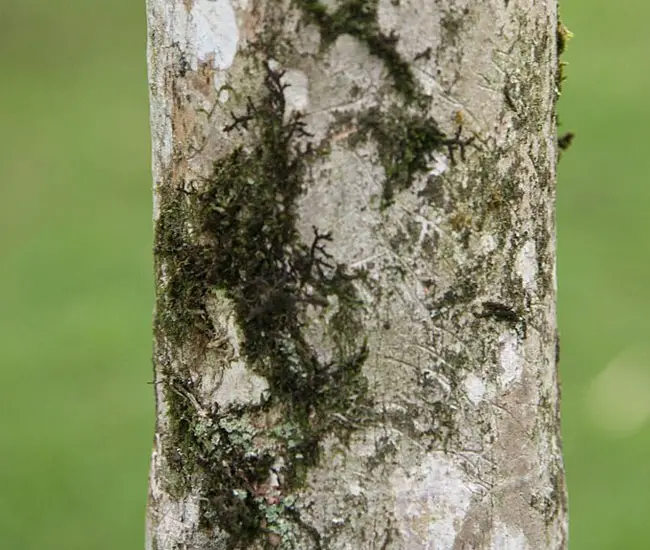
(355, 333)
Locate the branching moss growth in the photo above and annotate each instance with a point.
(234, 237)
(405, 140)
(238, 236)
(405, 144)
(359, 18)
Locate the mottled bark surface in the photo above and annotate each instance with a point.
(355, 341)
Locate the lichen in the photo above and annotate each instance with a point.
(236, 233)
(233, 235)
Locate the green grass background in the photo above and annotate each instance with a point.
(76, 412)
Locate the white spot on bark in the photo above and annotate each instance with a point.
(487, 244)
(209, 32)
(355, 489)
(426, 227)
(224, 95)
(441, 163)
(474, 388)
(431, 501)
(297, 94)
(240, 386)
(511, 361)
(527, 265)
(506, 537)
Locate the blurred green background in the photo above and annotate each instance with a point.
(76, 286)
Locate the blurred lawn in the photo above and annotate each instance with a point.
(76, 285)
(75, 275)
(604, 274)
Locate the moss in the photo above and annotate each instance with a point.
(405, 144)
(359, 18)
(565, 141)
(238, 235)
(233, 235)
(405, 140)
(562, 37)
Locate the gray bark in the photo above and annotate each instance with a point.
(355, 329)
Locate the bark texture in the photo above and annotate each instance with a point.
(355, 340)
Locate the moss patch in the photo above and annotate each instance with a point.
(405, 139)
(405, 144)
(237, 235)
(359, 18)
(563, 35)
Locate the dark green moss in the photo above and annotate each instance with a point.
(405, 144)
(359, 18)
(234, 235)
(565, 140)
(238, 236)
